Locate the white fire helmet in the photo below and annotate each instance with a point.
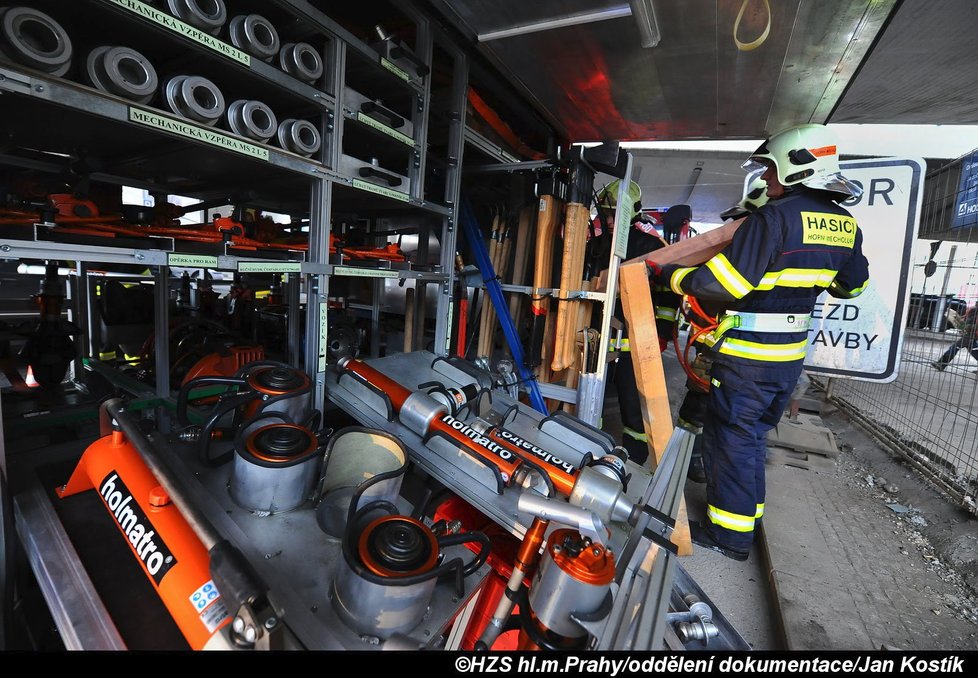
(806, 154)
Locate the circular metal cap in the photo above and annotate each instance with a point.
(278, 380)
(398, 546)
(280, 442)
(584, 561)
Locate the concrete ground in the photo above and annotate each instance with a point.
(856, 550)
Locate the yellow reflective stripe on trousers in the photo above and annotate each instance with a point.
(731, 521)
(752, 350)
(797, 277)
(632, 433)
(676, 279)
(760, 511)
(622, 345)
(728, 276)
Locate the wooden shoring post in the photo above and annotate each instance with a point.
(643, 339)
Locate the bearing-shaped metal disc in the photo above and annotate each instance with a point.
(301, 61)
(252, 119)
(31, 37)
(122, 71)
(255, 35)
(207, 15)
(194, 97)
(299, 136)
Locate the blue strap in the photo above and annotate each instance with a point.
(491, 281)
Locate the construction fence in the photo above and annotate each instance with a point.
(928, 413)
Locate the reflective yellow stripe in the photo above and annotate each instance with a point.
(731, 521)
(728, 276)
(797, 277)
(753, 350)
(665, 313)
(620, 346)
(632, 433)
(760, 511)
(859, 290)
(676, 279)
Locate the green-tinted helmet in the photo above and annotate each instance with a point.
(608, 196)
(755, 199)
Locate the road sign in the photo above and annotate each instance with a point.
(861, 338)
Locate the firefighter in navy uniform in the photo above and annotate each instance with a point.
(801, 243)
(643, 237)
(692, 411)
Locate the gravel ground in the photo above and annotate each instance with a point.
(923, 535)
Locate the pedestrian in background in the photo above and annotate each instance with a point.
(968, 339)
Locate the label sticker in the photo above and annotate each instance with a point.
(821, 228)
(177, 26)
(194, 260)
(390, 131)
(139, 531)
(395, 69)
(381, 190)
(269, 267)
(207, 135)
(364, 272)
(323, 327)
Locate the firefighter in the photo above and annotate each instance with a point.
(643, 237)
(693, 409)
(767, 280)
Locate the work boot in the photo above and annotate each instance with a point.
(696, 471)
(702, 536)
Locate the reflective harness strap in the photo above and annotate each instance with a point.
(763, 322)
(759, 322)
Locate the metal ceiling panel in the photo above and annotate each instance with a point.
(922, 71)
(597, 82)
(708, 181)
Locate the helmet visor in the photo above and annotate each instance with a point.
(835, 183)
(754, 164)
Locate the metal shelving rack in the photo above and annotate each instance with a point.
(147, 142)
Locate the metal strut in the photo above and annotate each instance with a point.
(499, 302)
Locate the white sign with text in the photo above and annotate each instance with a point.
(862, 338)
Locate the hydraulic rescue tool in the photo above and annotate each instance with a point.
(257, 393)
(597, 485)
(215, 596)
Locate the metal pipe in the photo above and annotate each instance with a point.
(527, 558)
(201, 526)
(614, 12)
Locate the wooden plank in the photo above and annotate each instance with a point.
(636, 297)
(576, 218)
(689, 252)
(524, 235)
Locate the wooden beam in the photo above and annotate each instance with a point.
(643, 340)
(689, 252)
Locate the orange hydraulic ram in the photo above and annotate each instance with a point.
(496, 448)
(170, 554)
(204, 581)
